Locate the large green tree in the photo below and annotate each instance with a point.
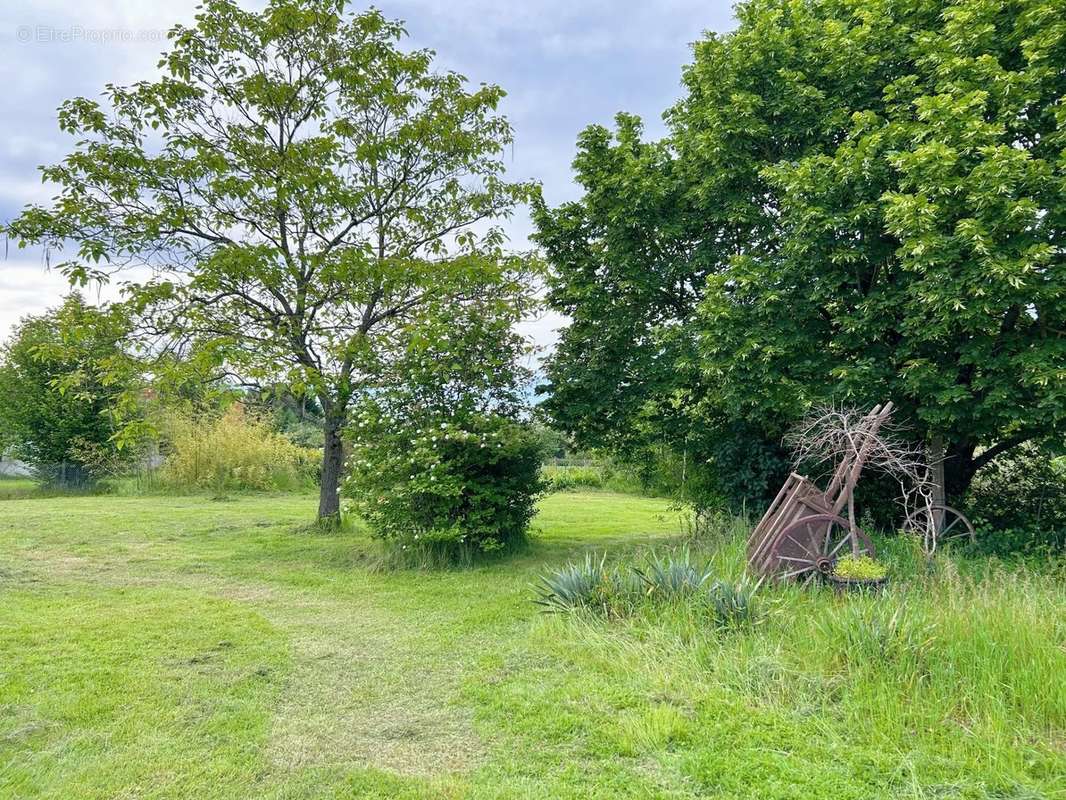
(60, 402)
(299, 187)
(867, 199)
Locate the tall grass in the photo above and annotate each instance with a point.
(595, 475)
(233, 452)
(958, 669)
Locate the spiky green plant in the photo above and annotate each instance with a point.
(572, 586)
(674, 575)
(735, 604)
(588, 585)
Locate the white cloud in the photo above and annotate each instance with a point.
(564, 63)
(28, 287)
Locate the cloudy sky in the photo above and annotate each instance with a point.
(564, 63)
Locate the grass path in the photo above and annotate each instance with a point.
(179, 647)
(165, 645)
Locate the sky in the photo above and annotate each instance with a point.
(565, 64)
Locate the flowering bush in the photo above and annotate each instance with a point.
(448, 485)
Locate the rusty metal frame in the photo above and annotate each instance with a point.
(799, 498)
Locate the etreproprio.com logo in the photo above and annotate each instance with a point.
(50, 34)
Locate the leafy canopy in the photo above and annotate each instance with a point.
(294, 190)
(856, 201)
(59, 398)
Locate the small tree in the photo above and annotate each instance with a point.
(442, 462)
(59, 401)
(299, 186)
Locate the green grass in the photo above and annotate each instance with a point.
(173, 647)
(12, 487)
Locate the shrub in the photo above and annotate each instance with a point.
(233, 452)
(1019, 502)
(449, 486)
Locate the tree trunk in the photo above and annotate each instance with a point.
(329, 501)
(937, 453)
(959, 469)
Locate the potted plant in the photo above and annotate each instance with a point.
(857, 572)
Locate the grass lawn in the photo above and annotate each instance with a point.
(180, 647)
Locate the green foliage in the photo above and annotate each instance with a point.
(455, 486)
(648, 477)
(1018, 503)
(862, 568)
(854, 202)
(661, 581)
(300, 188)
(913, 257)
(567, 478)
(64, 376)
(672, 576)
(577, 585)
(297, 417)
(233, 452)
(881, 636)
(441, 460)
(589, 585)
(735, 604)
(554, 444)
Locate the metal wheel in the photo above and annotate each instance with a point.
(810, 547)
(950, 523)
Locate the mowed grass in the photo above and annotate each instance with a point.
(175, 647)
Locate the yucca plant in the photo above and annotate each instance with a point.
(735, 605)
(672, 576)
(580, 585)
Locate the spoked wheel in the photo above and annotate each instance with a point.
(810, 547)
(949, 523)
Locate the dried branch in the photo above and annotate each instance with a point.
(836, 439)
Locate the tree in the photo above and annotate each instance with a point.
(299, 186)
(869, 199)
(59, 404)
(443, 463)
